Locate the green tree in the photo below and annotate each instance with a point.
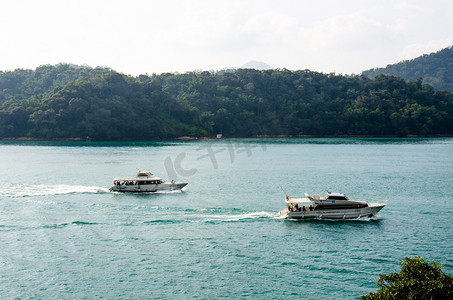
(435, 69)
(66, 101)
(418, 279)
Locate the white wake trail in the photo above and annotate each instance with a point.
(240, 217)
(16, 191)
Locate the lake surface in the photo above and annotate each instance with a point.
(65, 236)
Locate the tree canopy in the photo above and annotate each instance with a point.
(64, 101)
(418, 279)
(435, 69)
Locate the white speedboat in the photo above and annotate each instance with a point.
(144, 182)
(332, 206)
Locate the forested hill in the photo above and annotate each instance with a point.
(63, 101)
(435, 69)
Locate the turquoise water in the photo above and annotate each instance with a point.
(65, 236)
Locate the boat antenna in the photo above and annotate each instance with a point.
(283, 190)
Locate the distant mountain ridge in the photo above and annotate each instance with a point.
(435, 68)
(253, 64)
(257, 65)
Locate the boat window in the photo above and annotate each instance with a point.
(337, 198)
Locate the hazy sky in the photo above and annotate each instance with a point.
(155, 36)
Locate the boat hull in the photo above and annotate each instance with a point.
(354, 213)
(148, 188)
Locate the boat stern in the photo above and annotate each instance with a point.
(284, 213)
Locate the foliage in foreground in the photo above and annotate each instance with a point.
(418, 279)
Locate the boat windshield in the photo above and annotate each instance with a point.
(332, 197)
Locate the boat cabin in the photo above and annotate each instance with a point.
(142, 178)
(336, 196)
(136, 182)
(144, 174)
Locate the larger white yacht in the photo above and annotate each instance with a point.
(331, 206)
(144, 182)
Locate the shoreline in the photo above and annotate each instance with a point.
(189, 138)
